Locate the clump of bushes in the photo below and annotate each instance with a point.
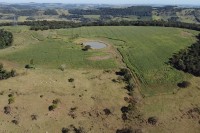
(11, 99)
(184, 84)
(86, 48)
(107, 111)
(7, 109)
(71, 80)
(34, 117)
(124, 130)
(72, 112)
(124, 117)
(28, 66)
(125, 109)
(152, 120)
(54, 104)
(52, 107)
(74, 129)
(127, 77)
(16, 122)
(31, 65)
(4, 74)
(188, 60)
(65, 130)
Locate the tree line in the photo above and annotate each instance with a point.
(45, 25)
(133, 10)
(188, 60)
(6, 38)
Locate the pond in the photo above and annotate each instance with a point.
(95, 44)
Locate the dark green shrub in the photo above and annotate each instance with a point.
(152, 120)
(71, 80)
(184, 84)
(65, 130)
(52, 107)
(11, 100)
(86, 48)
(28, 66)
(7, 109)
(107, 111)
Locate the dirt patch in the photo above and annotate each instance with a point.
(186, 34)
(95, 58)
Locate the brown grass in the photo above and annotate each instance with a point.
(94, 91)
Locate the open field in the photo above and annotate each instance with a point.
(91, 92)
(145, 50)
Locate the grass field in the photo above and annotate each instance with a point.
(145, 50)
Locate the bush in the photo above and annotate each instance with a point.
(56, 101)
(7, 109)
(52, 107)
(86, 48)
(34, 117)
(125, 130)
(15, 122)
(152, 120)
(6, 74)
(62, 67)
(65, 130)
(71, 80)
(125, 109)
(107, 111)
(11, 100)
(124, 117)
(28, 66)
(184, 84)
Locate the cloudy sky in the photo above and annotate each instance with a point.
(193, 2)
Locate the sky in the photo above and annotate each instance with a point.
(168, 2)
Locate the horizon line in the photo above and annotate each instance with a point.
(97, 3)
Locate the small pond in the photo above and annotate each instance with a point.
(95, 44)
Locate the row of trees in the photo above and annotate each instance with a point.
(23, 12)
(45, 25)
(134, 10)
(50, 12)
(188, 60)
(6, 38)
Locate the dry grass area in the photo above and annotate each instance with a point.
(177, 113)
(81, 102)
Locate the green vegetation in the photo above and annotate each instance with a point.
(50, 12)
(145, 50)
(6, 38)
(188, 59)
(54, 104)
(6, 74)
(52, 53)
(11, 99)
